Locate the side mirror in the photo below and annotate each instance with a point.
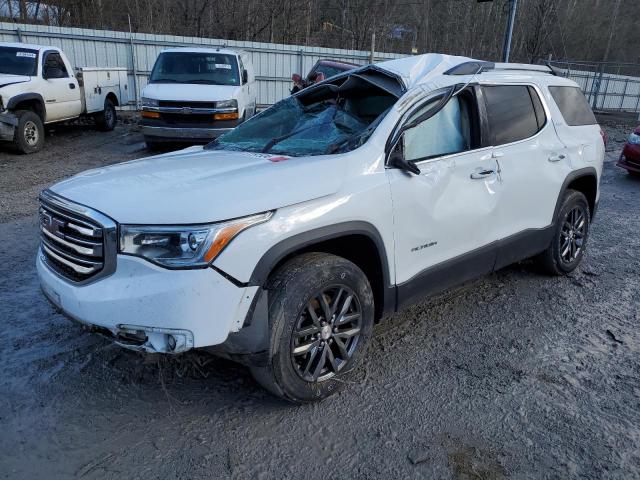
(397, 159)
(45, 74)
(245, 76)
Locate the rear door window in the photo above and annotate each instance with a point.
(513, 115)
(573, 106)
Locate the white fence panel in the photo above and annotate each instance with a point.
(274, 63)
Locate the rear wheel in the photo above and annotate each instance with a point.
(107, 119)
(321, 318)
(570, 236)
(634, 174)
(28, 136)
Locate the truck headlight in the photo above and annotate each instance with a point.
(227, 104)
(189, 246)
(149, 102)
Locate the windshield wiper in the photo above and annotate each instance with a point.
(202, 80)
(165, 80)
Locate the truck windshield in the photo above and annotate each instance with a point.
(18, 61)
(196, 67)
(295, 126)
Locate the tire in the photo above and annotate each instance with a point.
(634, 174)
(107, 119)
(318, 283)
(570, 236)
(28, 136)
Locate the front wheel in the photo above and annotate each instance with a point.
(28, 136)
(321, 313)
(570, 236)
(107, 119)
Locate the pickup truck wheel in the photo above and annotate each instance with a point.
(321, 318)
(570, 236)
(29, 134)
(107, 119)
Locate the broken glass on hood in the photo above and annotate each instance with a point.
(326, 118)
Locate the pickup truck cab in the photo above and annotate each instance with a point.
(282, 242)
(38, 87)
(197, 94)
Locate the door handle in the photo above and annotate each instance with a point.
(480, 174)
(497, 155)
(557, 158)
(72, 86)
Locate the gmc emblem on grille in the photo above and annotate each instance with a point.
(186, 110)
(50, 224)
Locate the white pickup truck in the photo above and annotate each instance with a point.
(38, 87)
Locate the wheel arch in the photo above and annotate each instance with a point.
(114, 99)
(358, 242)
(584, 180)
(28, 101)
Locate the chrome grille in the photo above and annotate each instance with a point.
(77, 242)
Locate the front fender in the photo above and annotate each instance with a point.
(17, 99)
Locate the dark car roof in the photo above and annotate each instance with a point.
(337, 64)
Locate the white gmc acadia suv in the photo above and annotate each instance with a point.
(282, 242)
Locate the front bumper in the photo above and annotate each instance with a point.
(169, 134)
(8, 123)
(630, 158)
(142, 306)
(184, 128)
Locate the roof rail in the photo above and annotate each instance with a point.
(469, 68)
(473, 67)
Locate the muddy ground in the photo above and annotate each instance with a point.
(517, 375)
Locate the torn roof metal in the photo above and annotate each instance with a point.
(419, 69)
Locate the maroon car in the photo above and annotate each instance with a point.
(630, 156)
(321, 70)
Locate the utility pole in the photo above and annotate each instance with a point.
(506, 49)
(373, 47)
(508, 35)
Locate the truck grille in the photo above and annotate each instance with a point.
(77, 242)
(172, 104)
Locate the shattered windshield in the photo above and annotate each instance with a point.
(292, 127)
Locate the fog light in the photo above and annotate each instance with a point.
(160, 340)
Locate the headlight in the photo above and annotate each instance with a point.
(149, 102)
(189, 246)
(634, 139)
(227, 104)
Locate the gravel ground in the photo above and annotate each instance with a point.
(516, 375)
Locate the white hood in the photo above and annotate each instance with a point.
(190, 92)
(8, 79)
(200, 186)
